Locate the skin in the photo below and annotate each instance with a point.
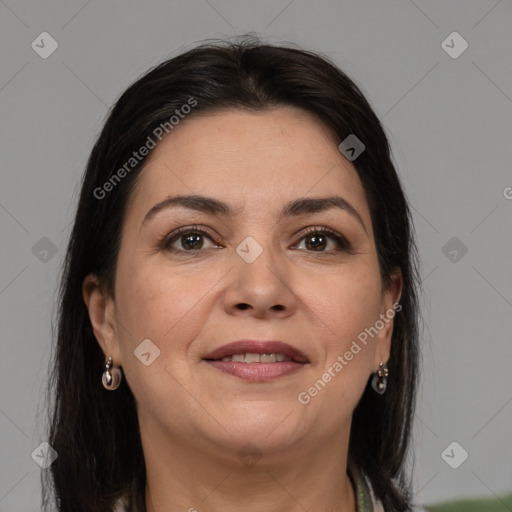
(194, 419)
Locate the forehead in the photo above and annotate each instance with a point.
(248, 158)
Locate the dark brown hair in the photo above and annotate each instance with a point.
(95, 432)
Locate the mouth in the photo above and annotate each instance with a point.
(257, 361)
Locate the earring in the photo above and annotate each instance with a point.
(380, 379)
(111, 377)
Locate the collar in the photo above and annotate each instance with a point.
(364, 502)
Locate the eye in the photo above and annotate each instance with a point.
(190, 238)
(316, 240)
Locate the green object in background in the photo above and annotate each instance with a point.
(501, 504)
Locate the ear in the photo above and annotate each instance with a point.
(101, 307)
(389, 308)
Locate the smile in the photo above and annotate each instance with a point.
(257, 361)
(249, 357)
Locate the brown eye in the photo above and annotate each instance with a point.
(191, 241)
(187, 239)
(317, 240)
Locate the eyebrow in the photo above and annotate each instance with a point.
(216, 207)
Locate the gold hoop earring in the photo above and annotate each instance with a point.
(380, 379)
(112, 376)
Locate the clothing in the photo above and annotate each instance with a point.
(366, 501)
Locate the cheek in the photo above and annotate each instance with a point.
(153, 306)
(347, 303)
(167, 312)
(351, 306)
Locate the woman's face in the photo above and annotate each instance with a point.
(254, 274)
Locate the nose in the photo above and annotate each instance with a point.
(260, 289)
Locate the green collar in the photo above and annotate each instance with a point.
(361, 490)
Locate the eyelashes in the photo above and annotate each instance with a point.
(341, 243)
(194, 235)
(167, 242)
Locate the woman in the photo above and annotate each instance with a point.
(238, 324)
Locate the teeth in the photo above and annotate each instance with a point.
(268, 358)
(250, 357)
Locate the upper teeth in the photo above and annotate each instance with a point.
(257, 358)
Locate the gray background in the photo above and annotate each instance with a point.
(449, 121)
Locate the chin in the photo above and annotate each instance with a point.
(269, 425)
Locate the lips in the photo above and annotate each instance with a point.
(241, 347)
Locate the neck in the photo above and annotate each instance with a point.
(201, 477)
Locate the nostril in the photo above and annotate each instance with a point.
(243, 305)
